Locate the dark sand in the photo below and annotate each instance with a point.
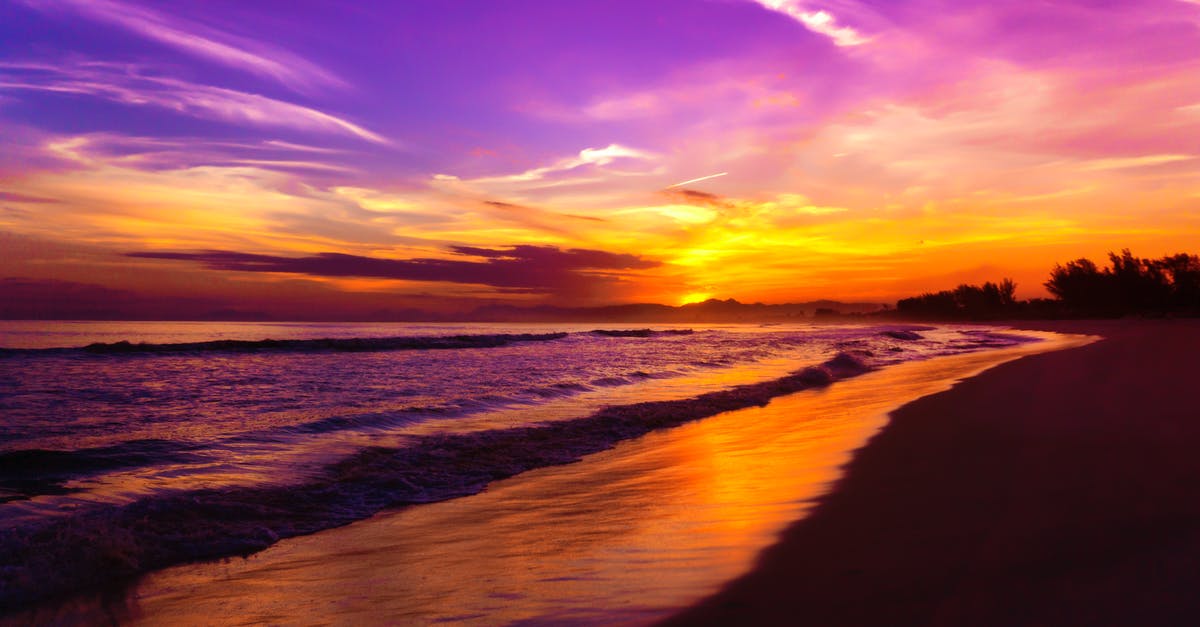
(1058, 489)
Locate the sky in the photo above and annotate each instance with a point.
(314, 157)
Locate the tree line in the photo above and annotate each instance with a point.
(1129, 285)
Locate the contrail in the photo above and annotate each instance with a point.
(703, 178)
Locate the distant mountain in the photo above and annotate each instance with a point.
(63, 301)
(711, 310)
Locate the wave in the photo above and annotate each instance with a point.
(901, 334)
(107, 543)
(372, 420)
(640, 332)
(391, 418)
(369, 344)
(449, 342)
(995, 338)
(26, 473)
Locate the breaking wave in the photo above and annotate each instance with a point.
(30, 472)
(111, 543)
(640, 332)
(902, 334)
(449, 342)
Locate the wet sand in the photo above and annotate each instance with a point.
(1057, 489)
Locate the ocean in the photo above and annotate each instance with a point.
(129, 447)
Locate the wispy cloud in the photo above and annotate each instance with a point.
(152, 154)
(118, 191)
(697, 180)
(233, 51)
(1121, 163)
(819, 21)
(130, 85)
(586, 157)
(690, 95)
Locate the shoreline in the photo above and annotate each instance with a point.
(1054, 489)
(679, 500)
(125, 541)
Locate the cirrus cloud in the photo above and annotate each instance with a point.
(586, 157)
(232, 51)
(132, 85)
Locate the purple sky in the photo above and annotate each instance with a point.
(866, 150)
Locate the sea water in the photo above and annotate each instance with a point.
(127, 447)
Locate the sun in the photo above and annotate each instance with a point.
(695, 297)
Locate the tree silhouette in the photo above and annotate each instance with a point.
(989, 300)
(1183, 271)
(1129, 285)
(1079, 283)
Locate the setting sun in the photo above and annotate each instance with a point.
(695, 297)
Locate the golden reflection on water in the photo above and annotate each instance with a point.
(623, 536)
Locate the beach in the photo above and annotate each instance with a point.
(1056, 489)
(1039, 483)
(635, 531)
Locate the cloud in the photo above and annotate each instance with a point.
(771, 212)
(574, 258)
(1132, 162)
(821, 22)
(25, 198)
(699, 198)
(605, 156)
(191, 193)
(586, 157)
(634, 105)
(129, 85)
(694, 94)
(524, 268)
(240, 53)
(697, 180)
(539, 219)
(154, 154)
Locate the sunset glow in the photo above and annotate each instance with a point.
(275, 158)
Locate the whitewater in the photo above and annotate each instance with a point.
(129, 447)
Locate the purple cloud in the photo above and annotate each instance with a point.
(528, 269)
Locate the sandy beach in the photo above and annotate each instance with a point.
(1056, 489)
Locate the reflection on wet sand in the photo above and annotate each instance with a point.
(627, 535)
